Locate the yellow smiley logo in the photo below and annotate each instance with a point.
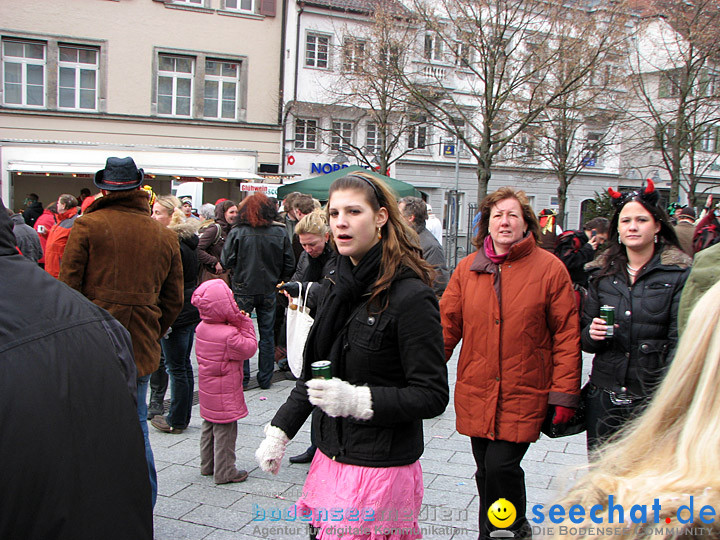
(502, 513)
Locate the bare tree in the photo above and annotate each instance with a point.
(367, 90)
(504, 56)
(574, 132)
(676, 79)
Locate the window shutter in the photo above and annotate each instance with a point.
(664, 86)
(717, 139)
(267, 8)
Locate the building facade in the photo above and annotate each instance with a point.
(188, 88)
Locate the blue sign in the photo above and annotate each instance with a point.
(449, 149)
(324, 168)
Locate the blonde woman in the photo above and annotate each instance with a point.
(176, 345)
(669, 453)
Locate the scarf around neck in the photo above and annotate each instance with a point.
(351, 284)
(490, 252)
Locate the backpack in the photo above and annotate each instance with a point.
(707, 236)
(218, 233)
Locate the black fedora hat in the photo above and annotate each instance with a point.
(119, 174)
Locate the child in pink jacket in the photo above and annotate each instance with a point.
(223, 341)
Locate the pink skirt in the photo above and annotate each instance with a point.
(350, 502)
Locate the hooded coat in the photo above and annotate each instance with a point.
(72, 456)
(223, 340)
(520, 329)
(212, 240)
(129, 264)
(27, 239)
(57, 240)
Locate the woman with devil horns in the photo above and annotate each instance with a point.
(641, 276)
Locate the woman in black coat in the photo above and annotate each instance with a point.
(177, 344)
(379, 325)
(641, 276)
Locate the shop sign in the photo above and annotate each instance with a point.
(324, 168)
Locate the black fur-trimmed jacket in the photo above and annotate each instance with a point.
(635, 359)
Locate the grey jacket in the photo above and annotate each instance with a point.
(432, 252)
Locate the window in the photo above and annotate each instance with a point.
(525, 146)
(669, 85)
(221, 88)
(305, 134)
(417, 133)
(390, 55)
(24, 73)
(433, 47)
(77, 78)
(373, 138)
(189, 2)
(708, 140)
(353, 54)
(462, 55)
(341, 136)
(175, 77)
(317, 49)
(593, 143)
(240, 5)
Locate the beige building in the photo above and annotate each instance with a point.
(188, 88)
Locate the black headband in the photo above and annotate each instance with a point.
(378, 195)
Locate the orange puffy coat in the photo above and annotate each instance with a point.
(520, 349)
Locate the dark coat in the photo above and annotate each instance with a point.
(186, 230)
(399, 355)
(259, 258)
(212, 240)
(128, 263)
(432, 252)
(27, 238)
(636, 358)
(574, 250)
(72, 457)
(318, 271)
(33, 211)
(520, 341)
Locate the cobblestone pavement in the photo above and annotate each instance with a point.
(191, 506)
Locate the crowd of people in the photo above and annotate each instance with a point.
(388, 316)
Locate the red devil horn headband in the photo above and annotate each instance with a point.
(650, 187)
(614, 194)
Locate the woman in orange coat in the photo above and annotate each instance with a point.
(512, 304)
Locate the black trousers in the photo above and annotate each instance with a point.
(603, 418)
(500, 476)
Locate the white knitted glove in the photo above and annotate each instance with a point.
(271, 451)
(339, 398)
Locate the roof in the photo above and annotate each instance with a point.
(358, 6)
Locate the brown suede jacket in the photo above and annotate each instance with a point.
(130, 265)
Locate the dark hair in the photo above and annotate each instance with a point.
(400, 247)
(616, 257)
(223, 207)
(257, 211)
(304, 203)
(415, 207)
(600, 224)
(500, 195)
(33, 196)
(68, 200)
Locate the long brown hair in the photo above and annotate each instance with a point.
(257, 211)
(400, 245)
(495, 197)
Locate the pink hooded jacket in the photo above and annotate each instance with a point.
(223, 339)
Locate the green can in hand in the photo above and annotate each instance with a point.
(321, 369)
(607, 313)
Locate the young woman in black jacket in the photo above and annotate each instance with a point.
(379, 325)
(641, 276)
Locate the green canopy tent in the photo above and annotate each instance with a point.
(318, 186)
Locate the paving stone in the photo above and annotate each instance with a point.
(172, 507)
(173, 529)
(214, 516)
(212, 495)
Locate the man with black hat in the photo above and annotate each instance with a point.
(135, 271)
(685, 228)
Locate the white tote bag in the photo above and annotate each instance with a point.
(298, 323)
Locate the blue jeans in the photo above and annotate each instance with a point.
(176, 349)
(142, 387)
(264, 304)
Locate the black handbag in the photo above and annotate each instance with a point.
(573, 427)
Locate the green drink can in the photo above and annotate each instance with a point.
(607, 313)
(321, 369)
